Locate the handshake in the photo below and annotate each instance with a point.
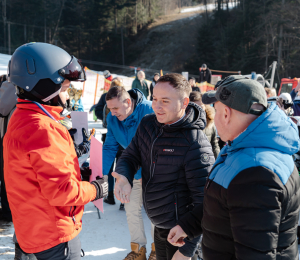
(100, 184)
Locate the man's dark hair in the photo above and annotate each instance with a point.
(3, 78)
(118, 92)
(178, 82)
(195, 96)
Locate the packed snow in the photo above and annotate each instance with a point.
(210, 7)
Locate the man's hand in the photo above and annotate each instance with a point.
(179, 256)
(122, 188)
(176, 236)
(298, 87)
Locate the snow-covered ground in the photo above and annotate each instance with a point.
(4, 59)
(210, 7)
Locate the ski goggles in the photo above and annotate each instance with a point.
(74, 71)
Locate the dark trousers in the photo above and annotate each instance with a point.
(65, 251)
(165, 251)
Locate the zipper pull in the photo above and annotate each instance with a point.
(208, 184)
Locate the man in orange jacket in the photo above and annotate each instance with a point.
(41, 169)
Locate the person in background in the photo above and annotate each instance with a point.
(3, 78)
(268, 92)
(285, 103)
(107, 75)
(101, 111)
(70, 104)
(192, 82)
(154, 80)
(8, 101)
(204, 74)
(210, 129)
(141, 84)
(295, 95)
(127, 109)
(271, 94)
(252, 197)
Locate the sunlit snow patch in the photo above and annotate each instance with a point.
(107, 251)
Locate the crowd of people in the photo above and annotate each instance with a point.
(216, 170)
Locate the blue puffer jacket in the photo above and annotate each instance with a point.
(270, 141)
(252, 196)
(121, 132)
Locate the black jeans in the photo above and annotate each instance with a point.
(65, 251)
(165, 251)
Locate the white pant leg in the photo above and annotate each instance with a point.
(134, 215)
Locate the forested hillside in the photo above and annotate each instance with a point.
(89, 29)
(250, 37)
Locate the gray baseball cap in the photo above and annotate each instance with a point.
(239, 93)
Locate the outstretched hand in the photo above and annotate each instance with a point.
(176, 236)
(297, 87)
(122, 188)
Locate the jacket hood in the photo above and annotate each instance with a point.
(195, 118)
(272, 130)
(139, 98)
(137, 95)
(8, 98)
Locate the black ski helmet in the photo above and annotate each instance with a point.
(38, 69)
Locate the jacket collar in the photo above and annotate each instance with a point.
(138, 97)
(53, 110)
(195, 118)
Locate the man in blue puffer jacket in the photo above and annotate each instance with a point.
(127, 110)
(252, 197)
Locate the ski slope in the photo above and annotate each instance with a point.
(210, 7)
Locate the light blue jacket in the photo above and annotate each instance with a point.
(121, 132)
(269, 141)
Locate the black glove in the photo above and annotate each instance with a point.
(72, 132)
(84, 147)
(85, 173)
(101, 185)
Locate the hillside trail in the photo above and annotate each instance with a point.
(169, 41)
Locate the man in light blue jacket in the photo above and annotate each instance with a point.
(126, 111)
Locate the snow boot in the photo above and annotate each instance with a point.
(135, 253)
(110, 199)
(152, 255)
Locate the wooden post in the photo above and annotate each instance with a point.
(25, 33)
(9, 46)
(96, 89)
(45, 34)
(49, 35)
(136, 15)
(83, 83)
(123, 57)
(4, 22)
